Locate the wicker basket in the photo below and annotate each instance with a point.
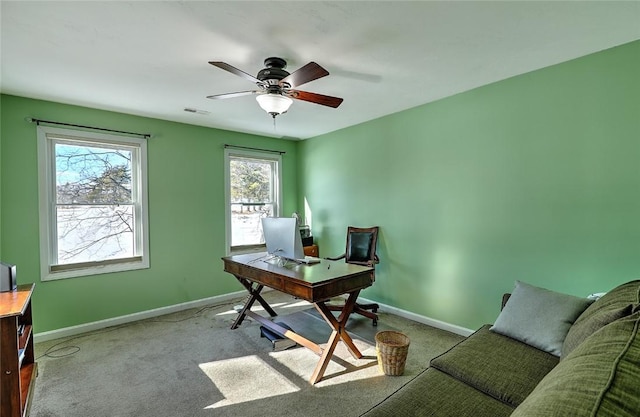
(392, 348)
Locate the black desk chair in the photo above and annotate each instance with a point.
(361, 250)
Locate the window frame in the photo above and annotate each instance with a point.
(229, 155)
(47, 139)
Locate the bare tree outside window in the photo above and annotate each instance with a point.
(253, 196)
(94, 207)
(92, 188)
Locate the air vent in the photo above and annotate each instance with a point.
(191, 110)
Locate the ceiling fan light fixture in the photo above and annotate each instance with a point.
(274, 104)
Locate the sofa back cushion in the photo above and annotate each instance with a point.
(619, 302)
(599, 378)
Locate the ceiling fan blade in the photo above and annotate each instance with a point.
(309, 72)
(236, 71)
(233, 95)
(315, 98)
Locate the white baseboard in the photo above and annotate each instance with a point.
(438, 324)
(116, 321)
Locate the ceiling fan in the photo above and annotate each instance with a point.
(277, 86)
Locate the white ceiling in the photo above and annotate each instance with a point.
(150, 58)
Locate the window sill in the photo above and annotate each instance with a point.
(249, 249)
(47, 275)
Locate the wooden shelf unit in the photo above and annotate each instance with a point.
(18, 369)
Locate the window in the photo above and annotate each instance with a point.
(252, 192)
(93, 203)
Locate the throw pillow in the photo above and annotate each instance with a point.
(539, 317)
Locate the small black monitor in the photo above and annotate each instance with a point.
(8, 280)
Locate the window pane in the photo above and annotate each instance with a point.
(92, 175)
(246, 225)
(251, 181)
(94, 233)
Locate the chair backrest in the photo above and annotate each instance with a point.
(361, 245)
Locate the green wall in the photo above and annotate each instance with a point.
(186, 214)
(535, 178)
(1, 129)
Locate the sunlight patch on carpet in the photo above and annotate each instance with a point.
(341, 369)
(298, 304)
(257, 308)
(236, 377)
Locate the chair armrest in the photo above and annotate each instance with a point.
(344, 255)
(505, 298)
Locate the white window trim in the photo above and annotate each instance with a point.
(240, 153)
(46, 181)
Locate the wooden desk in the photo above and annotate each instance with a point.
(314, 283)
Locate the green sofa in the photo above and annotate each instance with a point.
(593, 369)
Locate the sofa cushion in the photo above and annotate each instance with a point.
(599, 378)
(539, 317)
(617, 303)
(433, 393)
(503, 368)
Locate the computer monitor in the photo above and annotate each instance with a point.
(282, 237)
(7, 277)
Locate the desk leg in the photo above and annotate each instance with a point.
(339, 333)
(254, 295)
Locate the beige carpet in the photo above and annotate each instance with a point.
(191, 364)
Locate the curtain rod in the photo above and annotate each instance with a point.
(253, 149)
(38, 121)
